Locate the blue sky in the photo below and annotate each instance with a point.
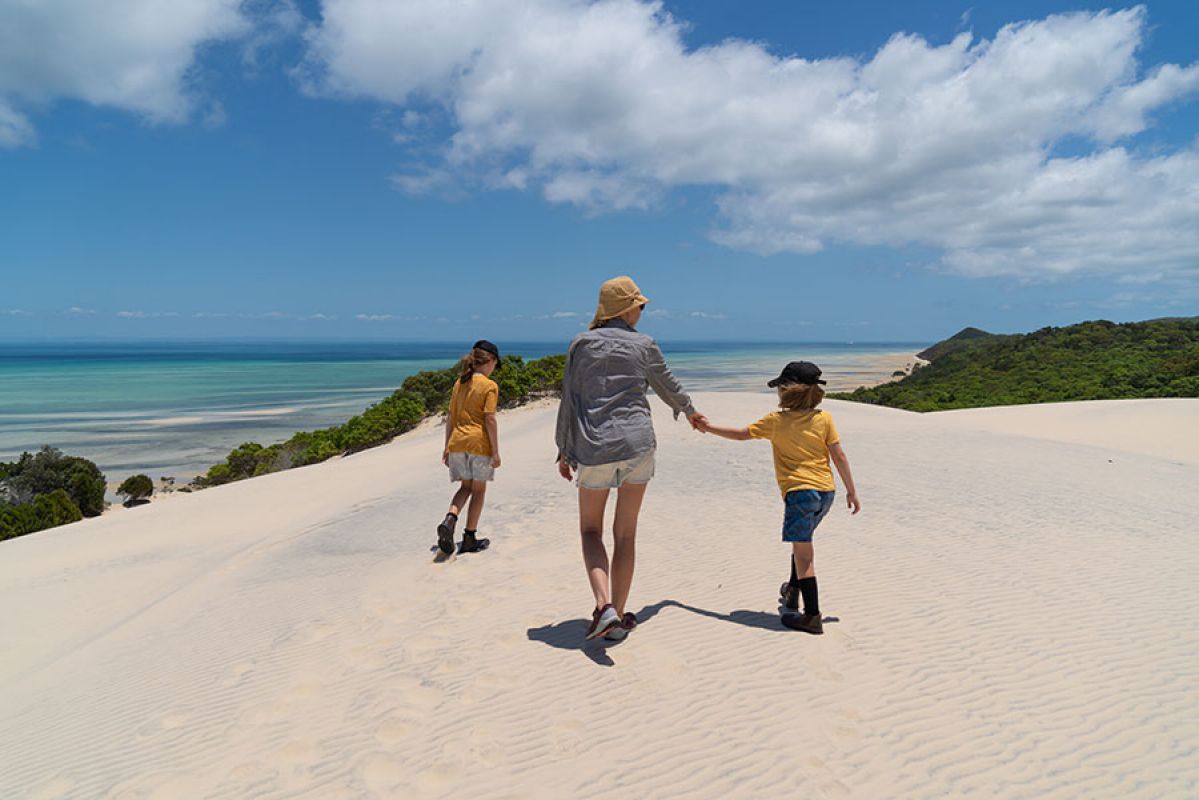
(771, 170)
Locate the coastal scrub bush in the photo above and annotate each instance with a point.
(421, 395)
(47, 470)
(45, 511)
(136, 487)
(1097, 360)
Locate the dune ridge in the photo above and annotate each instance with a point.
(1016, 619)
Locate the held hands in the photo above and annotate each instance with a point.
(698, 422)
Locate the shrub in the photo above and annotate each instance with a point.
(419, 396)
(46, 511)
(136, 487)
(1089, 361)
(48, 470)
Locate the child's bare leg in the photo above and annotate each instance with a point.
(624, 532)
(804, 559)
(478, 493)
(460, 498)
(591, 528)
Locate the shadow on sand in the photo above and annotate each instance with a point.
(568, 635)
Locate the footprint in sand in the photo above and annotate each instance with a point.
(421, 644)
(237, 673)
(568, 736)
(451, 664)
(484, 686)
(315, 632)
(392, 731)
(365, 657)
(382, 776)
(305, 690)
(168, 722)
(52, 789)
(411, 692)
(264, 713)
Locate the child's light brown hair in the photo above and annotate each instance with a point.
(800, 396)
(471, 362)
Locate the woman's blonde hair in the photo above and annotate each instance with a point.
(471, 362)
(800, 396)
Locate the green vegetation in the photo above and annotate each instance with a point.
(421, 395)
(42, 490)
(1096, 360)
(135, 488)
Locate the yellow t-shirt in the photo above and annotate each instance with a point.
(800, 440)
(468, 403)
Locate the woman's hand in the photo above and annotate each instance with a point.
(564, 468)
(698, 422)
(851, 501)
(445, 456)
(495, 461)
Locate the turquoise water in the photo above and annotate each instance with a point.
(175, 408)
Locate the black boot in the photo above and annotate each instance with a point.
(445, 534)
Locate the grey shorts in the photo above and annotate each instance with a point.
(470, 467)
(638, 469)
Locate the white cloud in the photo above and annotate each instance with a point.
(954, 146)
(16, 312)
(79, 311)
(665, 313)
(146, 314)
(15, 128)
(135, 55)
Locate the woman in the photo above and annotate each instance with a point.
(606, 433)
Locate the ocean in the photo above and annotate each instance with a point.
(175, 408)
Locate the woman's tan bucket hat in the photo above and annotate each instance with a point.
(616, 297)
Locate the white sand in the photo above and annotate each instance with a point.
(1017, 611)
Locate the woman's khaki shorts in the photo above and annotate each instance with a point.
(638, 469)
(470, 467)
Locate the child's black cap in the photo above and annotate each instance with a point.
(488, 347)
(798, 372)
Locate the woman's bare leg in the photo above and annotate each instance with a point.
(591, 527)
(624, 531)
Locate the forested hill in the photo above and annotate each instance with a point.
(1096, 360)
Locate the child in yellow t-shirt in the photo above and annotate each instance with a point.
(803, 439)
(472, 445)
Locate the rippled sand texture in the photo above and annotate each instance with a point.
(1017, 610)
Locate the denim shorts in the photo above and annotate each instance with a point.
(803, 510)
(470, 467)
(638, 469)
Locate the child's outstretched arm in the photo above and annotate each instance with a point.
(736, 434)
(841, 461)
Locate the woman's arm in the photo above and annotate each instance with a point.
(666, 386)
(841, 461)
(493, 433)
(564, 429)
(449, 428)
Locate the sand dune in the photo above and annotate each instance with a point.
(1017, 613)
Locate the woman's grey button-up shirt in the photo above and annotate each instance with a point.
(604, 415)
